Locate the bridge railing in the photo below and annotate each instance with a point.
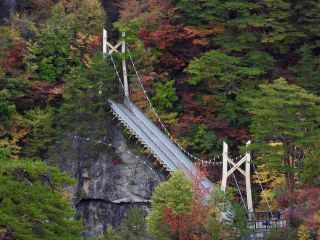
(267, 224)
(274, 215)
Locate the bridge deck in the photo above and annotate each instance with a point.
(162, 148)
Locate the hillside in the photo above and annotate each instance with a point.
(205, 72)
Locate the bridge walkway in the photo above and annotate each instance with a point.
(159, 144)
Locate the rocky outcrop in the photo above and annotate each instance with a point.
(109, 180)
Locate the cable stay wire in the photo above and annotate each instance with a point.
(115, 67)
(156, 176)
(262, 189)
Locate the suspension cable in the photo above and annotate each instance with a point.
(115, 67)
(262, 189)
(235, 179)
(210, 161)
(157, 116)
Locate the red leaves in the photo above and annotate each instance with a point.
(95, 41)
(13, 59)
(176, 225)
(136, 92)
(167, 38)
(198, 177)
(38, 94)
(164, 37)
(306, 208)
(190, 225)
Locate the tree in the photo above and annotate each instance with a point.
(307, 70)
(39, 122)
(134, 226)
(311, 168)
(111, 234)
(33, 203)
(89, 16)
(7, 107)
(165, 96)
(172, 197)
(303, 233)
(50, 54)
(182, 209)
(285, 120)
(87, 92)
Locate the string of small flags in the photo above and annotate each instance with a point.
(120, 148)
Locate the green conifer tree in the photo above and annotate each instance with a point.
(134, 226)
(285, 119)
(33, 204)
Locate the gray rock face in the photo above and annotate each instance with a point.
(109, 180)
(6, 8)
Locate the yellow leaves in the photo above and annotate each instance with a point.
(303, 233)
(151, 12)
(270, 181)
(85, 44)
(273, 144)
(88, 15)
(68, 195)
(12, 136)
(57, 90)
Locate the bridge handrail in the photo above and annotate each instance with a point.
(267, 224)
(144, 136)
(174, 149)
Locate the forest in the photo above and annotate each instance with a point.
(215, 71)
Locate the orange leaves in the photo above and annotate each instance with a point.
(95, 40)
(201, 36)
(87, 46)
(164, 36)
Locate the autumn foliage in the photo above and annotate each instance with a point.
(190, 224)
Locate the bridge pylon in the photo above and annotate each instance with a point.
(237, 166)
(105, 48)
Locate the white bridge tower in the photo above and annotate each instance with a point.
(106, 45)
(236, 166)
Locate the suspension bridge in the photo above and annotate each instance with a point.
(167, 150)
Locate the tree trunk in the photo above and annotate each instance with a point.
(290, 180)
(291, 189)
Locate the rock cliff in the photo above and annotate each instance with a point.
(109, 180)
